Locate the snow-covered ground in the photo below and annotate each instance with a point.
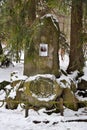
(15, 119)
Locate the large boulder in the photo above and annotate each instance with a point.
(41, 92)
(82, 88)
(14, 92)
(11, 103)
(69, 99)
(82, 85)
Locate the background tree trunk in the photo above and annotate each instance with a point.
(31, 17)
(31, 11)
(1, 50)
(76, 51)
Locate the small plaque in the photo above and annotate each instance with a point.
(43, 49)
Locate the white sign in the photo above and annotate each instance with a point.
(43, 49)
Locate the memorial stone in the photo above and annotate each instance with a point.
(41, 55)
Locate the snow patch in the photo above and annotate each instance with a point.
(44, 99)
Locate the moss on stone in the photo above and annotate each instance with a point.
(42, 88)
(69, 99)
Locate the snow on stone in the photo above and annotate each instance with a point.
(44, 99)
(68, 79)
(12, 94)
(53, 18)
(85, 73)
(8, 87)
(51, 15)
(80, 98)
(31, 78)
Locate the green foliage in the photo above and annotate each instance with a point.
(52, 3)
(61, 6)
(14, 20)
(14, 23)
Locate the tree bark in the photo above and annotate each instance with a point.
(31, 17)
(31, 11)
(76, 51)
(1, 50)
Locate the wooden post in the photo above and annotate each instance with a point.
(26, 111)
(61, 106)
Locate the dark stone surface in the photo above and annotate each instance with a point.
(3, 84)
(82, 85)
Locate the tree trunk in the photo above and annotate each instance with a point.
(1, 50)
(17, 52)
(31, 17)
(31, 11)
(76, 51)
